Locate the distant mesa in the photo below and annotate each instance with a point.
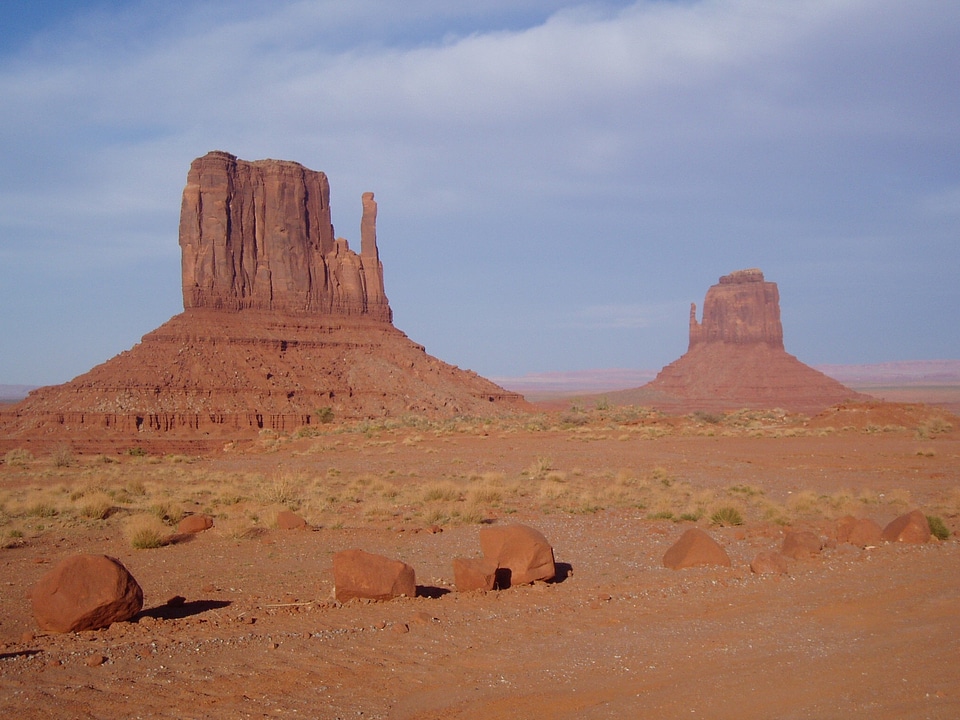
(736, 358)
(283, 326)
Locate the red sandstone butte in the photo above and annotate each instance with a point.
(736, 359)
(283, 326)
(85, 592)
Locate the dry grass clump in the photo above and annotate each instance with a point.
(18, 457)
(146, 531)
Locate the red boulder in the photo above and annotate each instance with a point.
(288, 520)
(799, 544)
(359, 574)
(910, 528)
(695, 547)
(520, 549)
(194, 524)
(474, 574)
(85, 592)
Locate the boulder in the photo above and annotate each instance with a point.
(474, 574)
(359, 574)
(768, 562)
(289, 520)
(85, 592)
(860, 532)
(799, 544)
(695, 547)
(910, 528)
(192, 524)
(520, 552)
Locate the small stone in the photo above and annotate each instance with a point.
(95, 661)
(27, 638)
(176, 601)
(400, 628)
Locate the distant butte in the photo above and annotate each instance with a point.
(283, 325)
(736, 359)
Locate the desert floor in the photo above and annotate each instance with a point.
(852, 632)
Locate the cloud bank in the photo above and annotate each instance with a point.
(557, 181)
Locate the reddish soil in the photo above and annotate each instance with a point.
(865, 633)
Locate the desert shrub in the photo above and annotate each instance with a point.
(97, 507)
(62, 455)
(166, 513)
(661, 515)
(283, 490)
(937, 527)
(42, 509)
(324, 415)
(18, 456)
(539, 468)
(146, 539)
(136, 452)
(933, 427)
(691, 517)
(708, 417)
(726, 517)
(441, 492)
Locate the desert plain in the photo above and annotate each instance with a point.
(240, 620)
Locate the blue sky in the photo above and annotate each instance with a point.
(556, 181)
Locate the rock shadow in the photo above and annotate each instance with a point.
(182, 610)
(21, 653)
(564, 570)
(429, 591)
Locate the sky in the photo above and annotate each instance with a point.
(557, 180)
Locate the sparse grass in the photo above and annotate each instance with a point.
(145, 532)
(726, 517)
(18, 457)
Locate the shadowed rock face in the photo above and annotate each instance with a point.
(257, 235)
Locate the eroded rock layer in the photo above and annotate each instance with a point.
(736, 358)
(283, 326)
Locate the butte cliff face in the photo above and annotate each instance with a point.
(257, 235)
(736, 358)
(283, 324)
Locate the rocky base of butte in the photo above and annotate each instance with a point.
(283, 326)
(736, 359)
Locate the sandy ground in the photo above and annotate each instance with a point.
(853, 632)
